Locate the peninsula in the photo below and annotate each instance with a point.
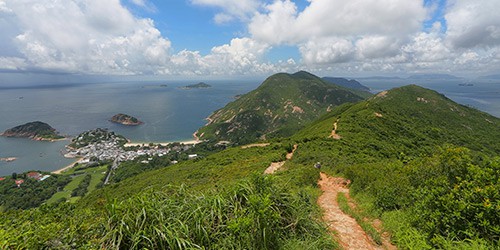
(125, 120)
(200, 85)
(37, 130)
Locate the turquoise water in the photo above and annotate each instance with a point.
(169, 113)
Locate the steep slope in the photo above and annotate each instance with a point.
(412, 151)
(409, 120)
(282, 105)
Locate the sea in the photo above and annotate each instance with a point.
(169, 112)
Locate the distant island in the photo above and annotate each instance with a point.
(125, 120)
(200, 85)
(37, 130)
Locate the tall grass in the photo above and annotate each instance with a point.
(255, 214)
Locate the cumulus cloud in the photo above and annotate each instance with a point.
(89, 36)
(473, 23)
(242, 56)
(326, 18)
(231, 9)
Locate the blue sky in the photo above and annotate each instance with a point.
(246, 38)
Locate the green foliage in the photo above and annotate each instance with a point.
(255, 214)
(35, 130)
(96, 135)
(281, 106)
(81, 190)
(31, 193)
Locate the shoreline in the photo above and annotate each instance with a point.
(59, 171)
(135, 144)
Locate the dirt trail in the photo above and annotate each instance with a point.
(349, 233)
(334, 134)
(256, 145)
(275, 166)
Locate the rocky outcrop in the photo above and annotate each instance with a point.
(125, 120)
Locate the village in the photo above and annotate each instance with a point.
(112, 148)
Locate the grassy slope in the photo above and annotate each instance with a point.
(282, 105)
(390, 150)
(218, 169)
(407, 121)
(97, 175)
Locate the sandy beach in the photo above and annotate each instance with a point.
(134, 144)
(59, 171)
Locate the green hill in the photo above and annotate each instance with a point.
(408, 120)
(423, 164)
(282, 105)
(35, 130)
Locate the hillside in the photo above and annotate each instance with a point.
(421, 164)
(409, 120)
(34, 130)
(282, 105)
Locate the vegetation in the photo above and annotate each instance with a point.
(282, 105)
(31, 193)
(254, 213)
(34, 130)
(428, 167)
(125, 120)
(390, 146)
(81, 190)
(96, 135)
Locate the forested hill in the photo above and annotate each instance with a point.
(282, 105)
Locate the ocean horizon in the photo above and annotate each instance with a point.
(169, 113)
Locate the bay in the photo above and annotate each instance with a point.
(169, 113)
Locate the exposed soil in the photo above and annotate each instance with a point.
(289, 156)
(256, 145)
(334, 134)
(275, 166)
(350, 235)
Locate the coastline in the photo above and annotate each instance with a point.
(135, 144)
(59, 171)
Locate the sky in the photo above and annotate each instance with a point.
(248, 38)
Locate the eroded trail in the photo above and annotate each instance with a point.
(334, 134)
(275, 166)
(349, 233)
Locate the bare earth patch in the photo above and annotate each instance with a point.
(334, 134)
(255, 145)
(348, 231)
(275, 166)
(382, 94)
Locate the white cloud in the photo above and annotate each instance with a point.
(327, 50)
(12, 63)
(242, 56)
(327, 18)
(89, 36)
(473, 23)
(231, 9)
